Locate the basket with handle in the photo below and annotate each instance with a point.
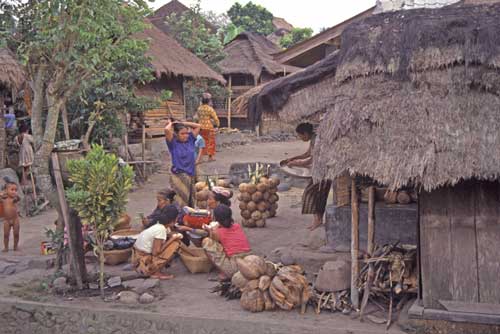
(195, 260)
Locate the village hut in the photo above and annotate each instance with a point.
(413, 99)
(249, 63)
(172, 65)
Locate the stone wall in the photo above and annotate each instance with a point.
(393, 5)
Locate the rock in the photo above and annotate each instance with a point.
(128, 297)
(93, 286)
(133, 283)
(60, 285)
(141, 285)
(114, 281)
(334, 276)
(146, 298)
(282, 187)
(150, 283)
(316, 239)
(287, 259)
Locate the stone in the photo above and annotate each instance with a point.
(141, 285)
(282, 187)
(316, 238)
(60, 285)
(114, 281)
(135, 283)
(287, 259)
(128, 297)
(146, 298)
(151, 283)
(334, 276)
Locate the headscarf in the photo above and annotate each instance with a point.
(223, 192)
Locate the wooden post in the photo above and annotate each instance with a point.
(354, 243)
(143, 148)
(229, 102)
(370, 248)
(78, 262)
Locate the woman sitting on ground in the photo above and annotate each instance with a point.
(226, 243)
(156, 246)
(217, 196)
(164, 198)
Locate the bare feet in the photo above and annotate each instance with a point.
(162, 277)
(5, 250)
(16, 249)
(210, 159)
(315, 225)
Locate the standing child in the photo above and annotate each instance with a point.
(11, 216)
(199, 145)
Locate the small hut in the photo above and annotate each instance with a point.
(412, 99)
(249, 63)
(172, 65)
(11, 80)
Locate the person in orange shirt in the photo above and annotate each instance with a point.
(207, 118)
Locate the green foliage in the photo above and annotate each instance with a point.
(99, 194)
(191, 31)
(252, 17)
(7, 19)
(231, 32)
(166, 95)
(297, 35)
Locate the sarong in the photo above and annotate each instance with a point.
(215, 253)
(315, 197)
(209, 137)
(147, 264)
(183, 185)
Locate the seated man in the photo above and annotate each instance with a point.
(155, 246)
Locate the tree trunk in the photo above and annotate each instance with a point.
(38, 87)
(3, 134)
(75, 232)
(64, 115)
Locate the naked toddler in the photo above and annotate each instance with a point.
(10, 199)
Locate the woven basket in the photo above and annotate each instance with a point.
(125, 233)
(197, 261)
(342, 191)
(117, 256)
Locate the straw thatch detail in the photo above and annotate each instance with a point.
(169, 58)
(251, 54)
(11, 73)
(415, 99)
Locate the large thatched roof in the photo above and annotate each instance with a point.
(251, 53)
(413, 98)
(11, 73)
(170, 58)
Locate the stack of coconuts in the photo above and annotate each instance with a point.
(258, 201)
(266, 287)
(203, 191)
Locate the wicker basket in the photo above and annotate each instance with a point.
(342, 196)
(125, 233)
(117, 256)
(195, 260)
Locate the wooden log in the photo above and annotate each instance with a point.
(74, 230)
(403, 197)
(229, 104)
(354, 243)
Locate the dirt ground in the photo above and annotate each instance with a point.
(187, 293)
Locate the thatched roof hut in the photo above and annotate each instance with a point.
(11, 73)
(251, 54)
(168, 57)
(412, 98)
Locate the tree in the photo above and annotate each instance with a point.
(295, 36)
(99, 195)
(231, 32)
(252, 18)
(190, 30)
(65, 44)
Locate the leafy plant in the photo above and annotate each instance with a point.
(297, 35)
(99, 195)
(252, 17)
(256, 173)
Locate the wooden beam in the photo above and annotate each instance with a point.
(354, 243)
(370, 248)
(229, 102)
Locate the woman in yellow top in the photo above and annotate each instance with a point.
(207, 118)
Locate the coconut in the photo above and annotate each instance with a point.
(265, 215)
(269, 304)
(252, 300)
(270, 269)
(274, 207)
(264, 282)
(273, 190)
(251, 223)
(243, 187)
(252, 284)
(272, 213)
(243, 206)
(251, 206)
(256, 215)
(260, 223)
(273, 198)
(202, 195)
(257, 197)
(266, 195)
(275, 181)
(262, 187)
(262, 206)
(251, 188)
(245, 214)
(202, 204)
(199, 186)
(239, 281)
(249, 269)
(263, 179)
(258, 262)
(245, 197)
(223, 183)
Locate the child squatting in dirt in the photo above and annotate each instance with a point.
(10, 199)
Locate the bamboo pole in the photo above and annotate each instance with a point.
(370, 248)
(229, 102)
(354, 243)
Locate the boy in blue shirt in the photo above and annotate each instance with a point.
(199, 145)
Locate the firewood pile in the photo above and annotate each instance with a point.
(331, 301)
(258, 199)
(264, 286)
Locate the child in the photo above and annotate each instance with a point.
(11, 216)
(199, 145)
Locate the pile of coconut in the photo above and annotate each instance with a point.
(266, 286)
(203, 191)
(258, 201)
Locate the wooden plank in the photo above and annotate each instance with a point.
(435, 247)
(476, 318)
(463, 243)
(488, 241)
(354, 243)
(467, 307)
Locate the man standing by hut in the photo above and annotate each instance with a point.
(316, 194)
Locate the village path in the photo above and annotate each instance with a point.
(188, 295)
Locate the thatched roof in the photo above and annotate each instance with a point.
(170, 58)
(280, 23)
(11, 73)
(251, 53)
(413, 98)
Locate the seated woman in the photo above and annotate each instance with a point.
(226, 243)
(164, 198)
(217, 196)
(156, 246)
